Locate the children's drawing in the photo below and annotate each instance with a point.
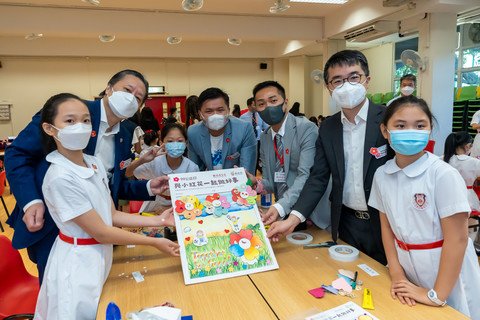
(219, 226)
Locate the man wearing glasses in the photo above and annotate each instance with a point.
(349, 148)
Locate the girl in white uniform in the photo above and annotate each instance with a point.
(424, 216)
(456, 153)
(77, 195)
(165, 160)
(475, 123)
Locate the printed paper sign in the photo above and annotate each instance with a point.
(218, 224)
(346, 311)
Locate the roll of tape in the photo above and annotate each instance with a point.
(299, 238)
(343, 253)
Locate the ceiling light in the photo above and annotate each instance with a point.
(106, 37)
(192, 5)
(322, 1)
(234, 41)
(33, 36)
(92, 2)
(279, 6)
(174, 40)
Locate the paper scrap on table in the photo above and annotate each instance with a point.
(317, 292)
(137, 276)
(368, 270)
(342, 284)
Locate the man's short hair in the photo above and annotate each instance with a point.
(270, 83)
(212, 93)
(250, 101)
(409, 76)
(346, 58)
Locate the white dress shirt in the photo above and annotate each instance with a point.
(353, 150)
(105, 148)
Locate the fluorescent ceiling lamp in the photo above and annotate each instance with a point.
(234, 41)
(106, 37)
(322, 1)
(92, 2)
(33, 36)
(174, 40)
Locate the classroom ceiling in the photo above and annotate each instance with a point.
(141, 27)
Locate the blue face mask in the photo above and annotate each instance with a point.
(175, 149)
(409, 142)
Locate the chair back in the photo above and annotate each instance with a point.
(18, 288)
(135, 206)
(3, 176)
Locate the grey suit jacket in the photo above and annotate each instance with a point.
(239, 145)
(330, 163)
(299, 153)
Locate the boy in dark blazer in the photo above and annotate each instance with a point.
(349, 148)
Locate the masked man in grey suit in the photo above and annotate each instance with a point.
(220, 141)
(287, 151)
(349, 148)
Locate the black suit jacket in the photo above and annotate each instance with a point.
(329, 160)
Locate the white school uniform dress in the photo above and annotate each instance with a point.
(414, 199)
(475, 151)
(156, 168)
(75, 274)
(469, 169)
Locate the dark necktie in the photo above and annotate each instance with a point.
(254, 123)
(281, 186)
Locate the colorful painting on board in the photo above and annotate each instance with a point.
(218, 224)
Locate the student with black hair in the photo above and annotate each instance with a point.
(220, 141)
(161, 161)
(456, 153)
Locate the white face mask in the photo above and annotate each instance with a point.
(123, 104)
(74, 137)
(216, 121)
(349, 95)
(406, 91)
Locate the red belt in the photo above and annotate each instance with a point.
(77, 241)
(423, 246)
(469, 187)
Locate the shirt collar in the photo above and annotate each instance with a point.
(462, 157)
(83, 172)
(104, 121)
(414, 169)
(361, 115)
(281, 131)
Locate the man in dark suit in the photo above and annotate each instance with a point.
(110, 141)
(349, 148)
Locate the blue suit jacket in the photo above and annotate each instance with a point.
(239, 145)
(26, 166)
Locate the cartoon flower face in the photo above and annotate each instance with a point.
(209, 209)
(244, 194)
(179, 206)
(244, 243)
(189, 206)
(216, 203)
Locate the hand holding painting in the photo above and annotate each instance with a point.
(219, 226)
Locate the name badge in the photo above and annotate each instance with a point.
(280, 177)
(379, 152)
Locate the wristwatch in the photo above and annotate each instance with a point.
(432, 295)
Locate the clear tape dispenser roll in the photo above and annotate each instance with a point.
(299, 238)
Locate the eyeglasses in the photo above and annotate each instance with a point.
(352, 79)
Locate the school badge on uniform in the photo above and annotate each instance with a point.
(420, 201)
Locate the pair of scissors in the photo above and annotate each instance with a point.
(326, 244)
